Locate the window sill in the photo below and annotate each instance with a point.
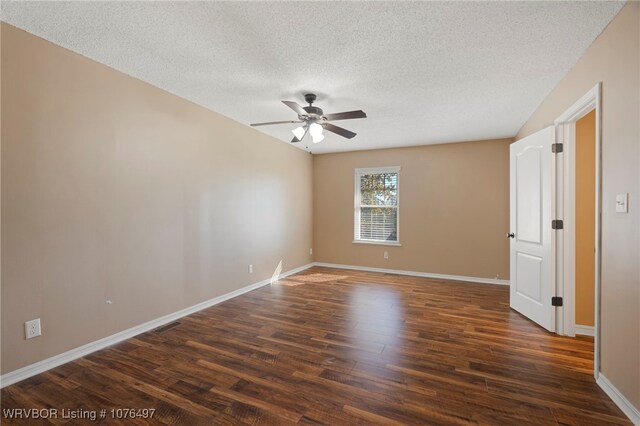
(379, 243)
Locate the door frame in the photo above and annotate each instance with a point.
(565, 193)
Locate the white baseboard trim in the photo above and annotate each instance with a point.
(623, 403)
(584, 330)
(415, 274)
(56, 360)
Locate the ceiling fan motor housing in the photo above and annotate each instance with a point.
(314, 112)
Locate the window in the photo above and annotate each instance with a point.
(376, 206)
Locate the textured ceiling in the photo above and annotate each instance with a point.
(424, 72)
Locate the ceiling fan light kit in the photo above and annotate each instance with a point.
(315, 121)
(315, 130)
(299, 132)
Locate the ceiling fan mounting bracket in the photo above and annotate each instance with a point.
(310, 98)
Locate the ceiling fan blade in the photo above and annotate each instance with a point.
(339, 130)
(295, 138)
(348, 115)
(275, 122)
(294, 106)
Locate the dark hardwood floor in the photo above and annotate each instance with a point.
(338, 347)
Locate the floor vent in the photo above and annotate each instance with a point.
(167, 327)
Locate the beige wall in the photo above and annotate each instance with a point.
(454, 209)
(613, 59)
(585, 218)
(116, 190)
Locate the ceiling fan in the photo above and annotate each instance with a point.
(315, 120)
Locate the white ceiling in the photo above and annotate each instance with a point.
(424, 72)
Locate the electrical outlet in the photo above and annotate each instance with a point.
(310, 251)
(251, 269)
(32, 329)
(386, 254)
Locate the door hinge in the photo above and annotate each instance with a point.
(557, 224)
(556, 148)
(556, 301)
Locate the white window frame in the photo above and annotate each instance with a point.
(357, 198)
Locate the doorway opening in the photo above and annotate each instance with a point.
(585, 210)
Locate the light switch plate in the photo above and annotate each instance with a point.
(622, 201)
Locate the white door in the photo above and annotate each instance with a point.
(532, 269)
